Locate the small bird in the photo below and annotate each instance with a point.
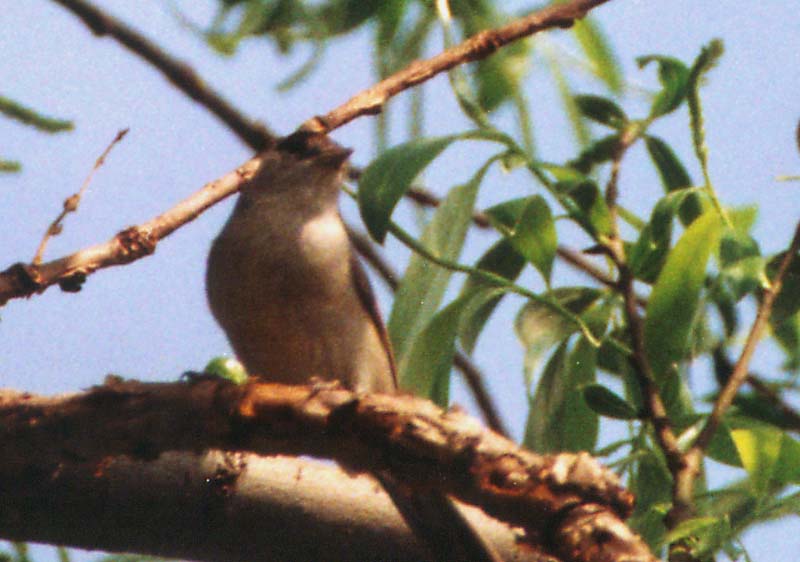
(283, 280)
(284, 283)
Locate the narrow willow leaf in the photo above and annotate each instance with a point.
(674, 176)
(388, 177)
(674, 78)
(28, 116)
(706, 60)
(787, 304)
(501, 259)
(675, 298)
(579, 126)
(647, 255)
(600, 53)
(787, 468)
(342, 16)
(539, 328)
(602, 110)
(529, 226)
(586, 206)
(425, 367)
(596, 153)
(424, 283)
(759, 448)
(606, 403)
(545, 402)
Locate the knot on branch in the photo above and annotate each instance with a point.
(484, 44)
(135, 243)
(25, 280)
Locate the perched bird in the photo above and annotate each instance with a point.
(284, 283)
(283, 280)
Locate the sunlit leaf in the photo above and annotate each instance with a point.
(675, 298)
(759, 448)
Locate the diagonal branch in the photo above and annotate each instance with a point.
(685, 478)
(477, 47)
(181, 75)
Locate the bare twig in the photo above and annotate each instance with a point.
(22, 280)
(71, 203)
(181, 75)
(477, 47)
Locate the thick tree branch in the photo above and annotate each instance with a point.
(418, 442)
(220, 506)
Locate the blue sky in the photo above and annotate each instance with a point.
(149, 320)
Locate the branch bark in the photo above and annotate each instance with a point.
(553, 498)
(221, 506)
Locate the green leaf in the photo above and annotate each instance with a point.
(501, 259)
(559, 418)
(759, 448)
(388, 177)
(425, 368)
(342, 16)
(586, 206)
(674, 301)
(539, 328)
(596, 153)
(579, 125)
(787, 334)
(647, 255)
(602, 110)
(674, 176)
(530, 228)
(9, 166)
(706, 60)
(651, 484)
(787, 304)
(674, 78)
(424, 283)
(787, 468)
(33, 118)
(600, 53)
(606, 403)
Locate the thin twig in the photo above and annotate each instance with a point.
(71, 203)
(740, 371)
(655, 410)
(477, 47)
(181, 75)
